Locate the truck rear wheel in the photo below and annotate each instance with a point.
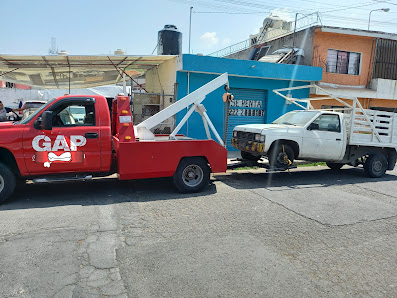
(7, 182)
(278, 157)
(334, 166)
(375, 166)
(192, 175)
(249, 156)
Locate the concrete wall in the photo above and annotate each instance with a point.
(198, 71)
(242, 55)
(163, 78)
(303, 40)
(12, 96)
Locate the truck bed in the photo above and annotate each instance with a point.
(382, 132)
(160, 158)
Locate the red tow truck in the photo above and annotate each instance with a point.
(53, 145)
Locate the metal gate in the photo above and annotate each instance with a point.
(248, 106)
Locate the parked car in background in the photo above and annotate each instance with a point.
(30, 106)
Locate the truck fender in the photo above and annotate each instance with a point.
(7, 158)
(294, 145)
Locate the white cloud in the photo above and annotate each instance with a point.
(209, 39)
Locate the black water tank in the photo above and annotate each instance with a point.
(169, 41)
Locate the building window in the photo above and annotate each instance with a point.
(343, 62)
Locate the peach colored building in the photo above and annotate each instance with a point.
(357, 63)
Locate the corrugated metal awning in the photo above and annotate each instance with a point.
(52, 72)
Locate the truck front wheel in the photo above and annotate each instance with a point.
(7, 182)
(192, 175)
(280, 156)
(375, 165)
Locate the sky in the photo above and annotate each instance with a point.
(88, 27)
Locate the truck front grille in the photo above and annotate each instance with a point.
(245, 136)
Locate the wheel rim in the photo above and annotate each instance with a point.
(192, 175)
(1, 183)
(280, 158)
(377, 166)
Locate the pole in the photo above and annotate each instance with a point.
(190, 26)
(369, 18)
(293, 38)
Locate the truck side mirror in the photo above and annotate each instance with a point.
(313, 126)
(46, 120)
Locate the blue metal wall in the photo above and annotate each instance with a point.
(199, 70)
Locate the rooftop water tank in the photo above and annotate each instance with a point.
(169, 41)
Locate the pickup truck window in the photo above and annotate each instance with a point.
(327, 122)
(296, 118)
(74, 114)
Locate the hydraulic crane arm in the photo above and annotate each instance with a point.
(194, 100)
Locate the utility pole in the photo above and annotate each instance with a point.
(190, 26)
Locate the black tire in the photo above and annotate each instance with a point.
(375, 166)
(192, 175)
(7, 182)
(276, 156)
(249, 156)
(335, 166)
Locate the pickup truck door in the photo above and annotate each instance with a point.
(73, 144)
(323, 138)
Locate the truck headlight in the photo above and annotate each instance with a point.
(257, 137)
(262, 139)
(235, 133)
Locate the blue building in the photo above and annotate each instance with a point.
(251, 83)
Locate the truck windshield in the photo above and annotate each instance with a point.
(38, 111)
(297, 118)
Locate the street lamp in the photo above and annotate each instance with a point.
(382, 9)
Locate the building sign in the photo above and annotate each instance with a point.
(241, 103)
(246, 112)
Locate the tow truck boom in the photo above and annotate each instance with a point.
(195, 98)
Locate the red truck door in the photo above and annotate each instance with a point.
(73, 144)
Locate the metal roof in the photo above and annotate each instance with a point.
(60, 71)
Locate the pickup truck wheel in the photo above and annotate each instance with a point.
(249, 156)
(192, 175)
(7, 182)
(334, 166)
(375, 166)
(277, 156)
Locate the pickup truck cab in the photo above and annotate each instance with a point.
(318, 135)
(77, 137)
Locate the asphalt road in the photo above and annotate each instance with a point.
(308, 233)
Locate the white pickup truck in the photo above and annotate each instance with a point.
(323, 135)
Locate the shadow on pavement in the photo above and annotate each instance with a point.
(109, 190)
(101, 191)
(299, 178)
